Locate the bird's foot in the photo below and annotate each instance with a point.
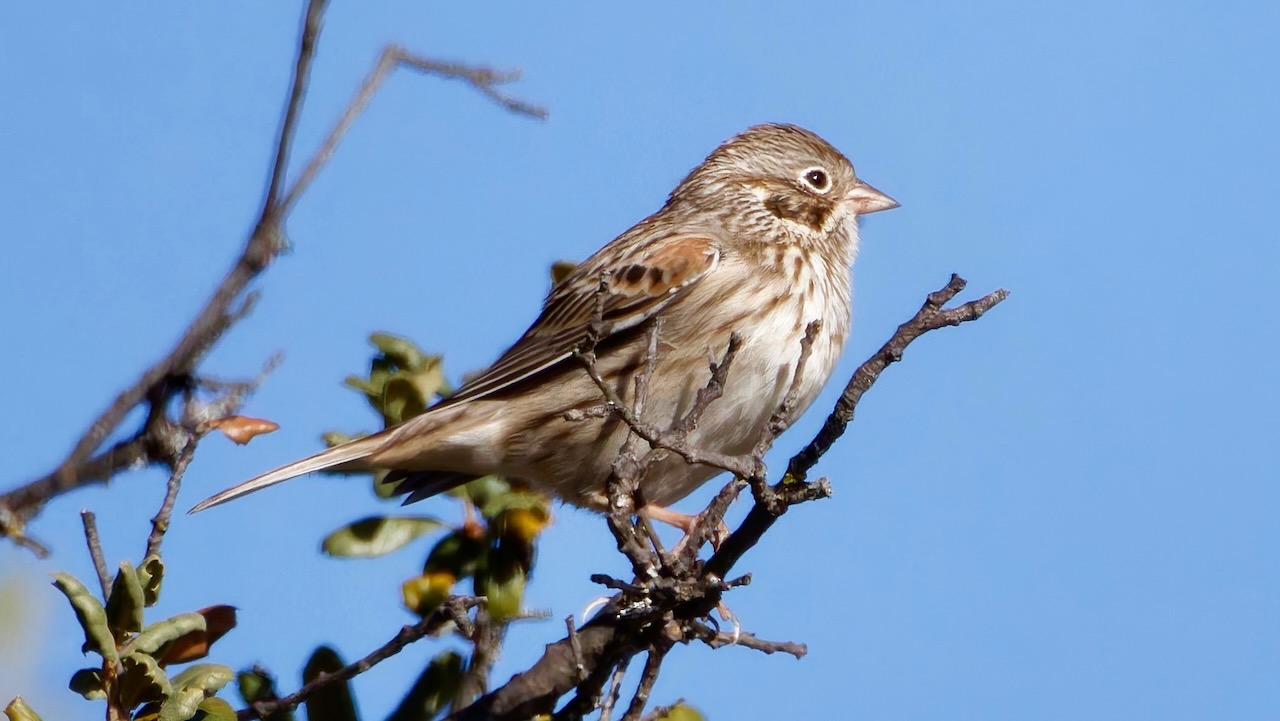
(686, 523)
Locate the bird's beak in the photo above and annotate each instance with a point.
(866, 199)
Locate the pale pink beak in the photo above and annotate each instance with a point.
(866, 199)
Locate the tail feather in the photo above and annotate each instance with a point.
(420, 485)
(349, 452)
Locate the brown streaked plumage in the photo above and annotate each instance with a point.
(758, 240)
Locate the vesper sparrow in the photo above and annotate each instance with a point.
(758, 239)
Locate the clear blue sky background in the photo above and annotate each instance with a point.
(1068, 510)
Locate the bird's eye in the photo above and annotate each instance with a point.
(817, 179)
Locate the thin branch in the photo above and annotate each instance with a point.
(229, 302)
(95, 552)
(792, 488)
(576, 647)
(211, 322)
(293, 109)
(652, 664)
(590, 692)
(669, 440)
(720, 639)
(486, 643)
(663, 610)
(615, 691)
(452, 611)
(160, 522)
(486, 80)
(782, 418)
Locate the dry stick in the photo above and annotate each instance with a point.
(668, 440)
(160, 522)
(590, 691)
(652, 664)
(486, 640)
(81, 467)
(711, 519)
(201, 335)
(615, 691)
(483, 79)
(575, 647)
(621, 486)
(718, 639)
(793, 488)
(607, 638)
(453, 611)
(95, 552)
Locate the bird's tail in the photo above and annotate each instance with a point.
(348, 453)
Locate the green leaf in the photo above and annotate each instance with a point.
(400, 400)
(433, 691)
(142, 680)
(503, 585)
(402, 351)
(88, 683)
(424, 594)
(377, 535)
(124, 607)
(363, 385)
(456, 553)
(482, 489)
(156, 635)
(336, 438)
(428, 378)
(561, 270)
(91, 615)
(257, 685)
(682, 712)
(182, 704)
(381, 488)
(215, 709)
(498, 502)
(150, 574)
(18, 710)
(208, 677)
(333, 702)
(380, 369)
(191, 688)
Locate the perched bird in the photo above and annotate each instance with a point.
(758, 240)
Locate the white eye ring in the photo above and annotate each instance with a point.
(817, 178)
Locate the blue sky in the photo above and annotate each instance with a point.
(1066, 510)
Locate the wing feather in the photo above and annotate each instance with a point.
(646, 282)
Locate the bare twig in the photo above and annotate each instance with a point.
(774, 500)
(95, 552)
(652, 664)
(153, 443)
(615, 691)
(486, 643)
(931, 316)
(160, 522)
(670, 440)
(720, 639)
(576, 647)
(486, 80)
(452, 611)
(652, 613)
(782, 418)
(219, 313)
(589, 692)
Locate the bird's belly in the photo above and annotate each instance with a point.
(573, 459)
(759, 378)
